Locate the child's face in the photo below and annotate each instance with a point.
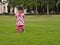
(20, 11)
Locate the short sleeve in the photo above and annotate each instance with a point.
(22, 14)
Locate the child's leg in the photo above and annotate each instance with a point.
(17, 29)
(22, 27)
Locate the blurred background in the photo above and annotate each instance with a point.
(42, 22)
(36, 7)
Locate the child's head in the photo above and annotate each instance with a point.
(20, 9)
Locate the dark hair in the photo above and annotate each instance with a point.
(19, 8)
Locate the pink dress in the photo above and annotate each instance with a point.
(19, 19)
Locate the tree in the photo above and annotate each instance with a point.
(14, 3)
(50, 5)
(36, 4)
(46, 5)
(32, 3)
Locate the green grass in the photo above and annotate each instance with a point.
(40, 30)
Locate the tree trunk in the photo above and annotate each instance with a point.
(47, 9)
(36, 10)
(13, 10)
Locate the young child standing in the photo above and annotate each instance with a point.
(20, 20)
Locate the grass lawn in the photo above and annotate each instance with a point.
(40, 30)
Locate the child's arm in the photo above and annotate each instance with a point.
(15, 17)
(24, 19)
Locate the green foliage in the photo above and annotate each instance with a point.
(35, 3)
(15, 2)
(32, 3)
